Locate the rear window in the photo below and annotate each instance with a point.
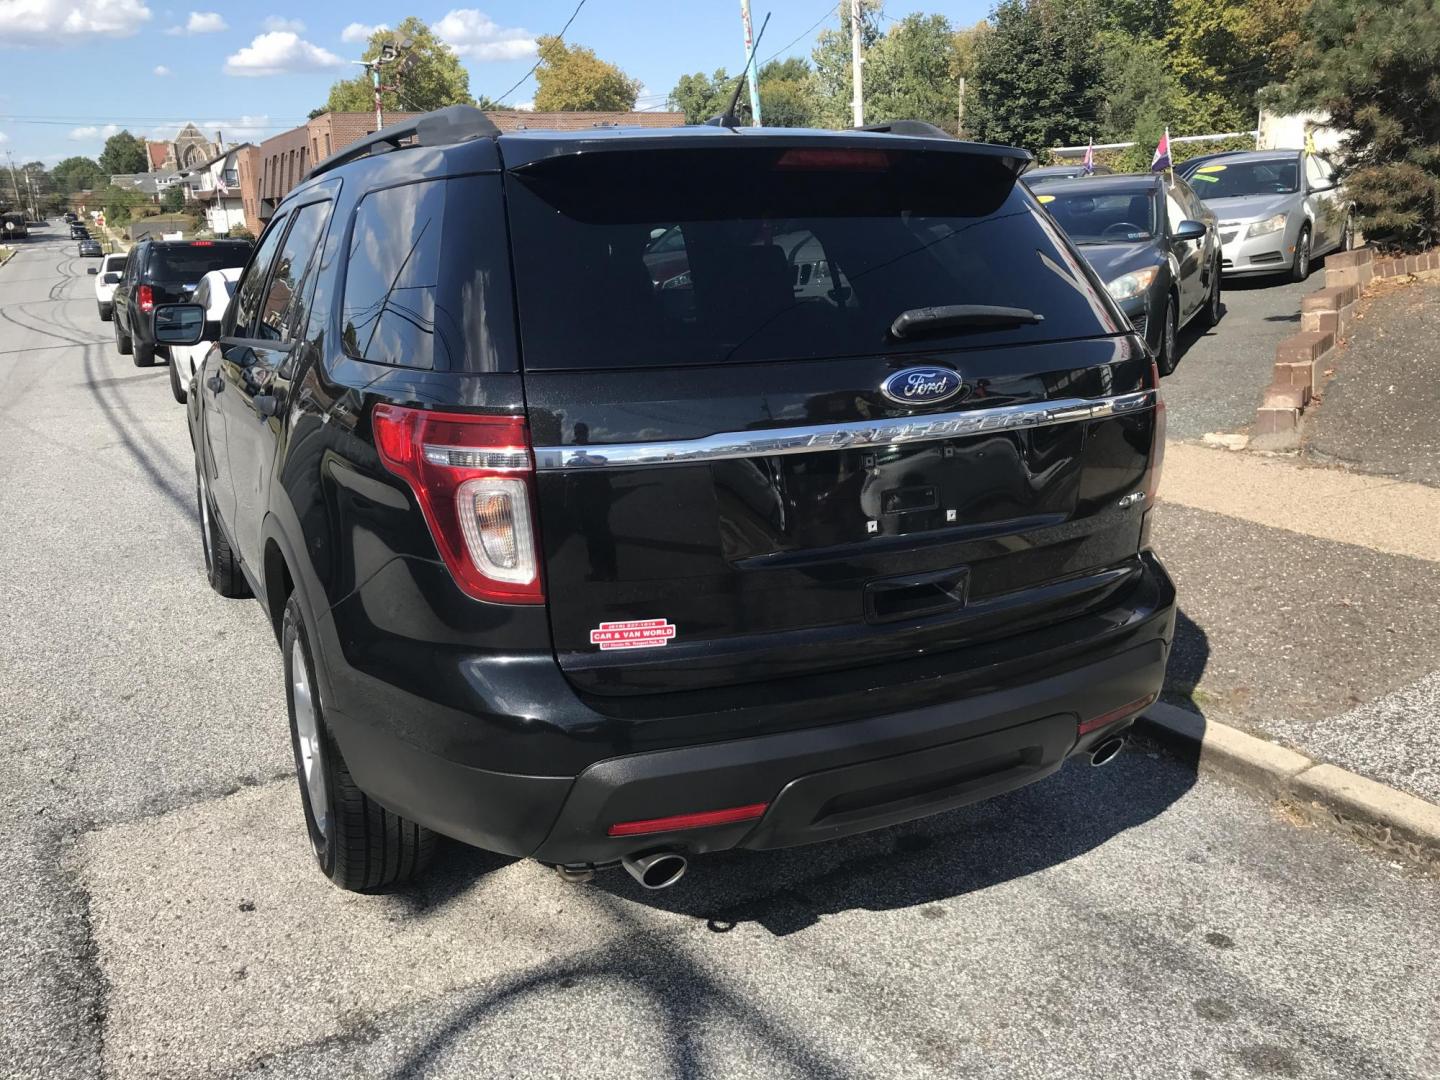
(676, 257)
(186, 265)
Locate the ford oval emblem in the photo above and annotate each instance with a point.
(922, 385)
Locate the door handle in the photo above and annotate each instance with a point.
(215, 384)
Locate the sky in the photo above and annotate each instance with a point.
(74, 71)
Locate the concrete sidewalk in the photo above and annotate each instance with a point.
(1308, 600)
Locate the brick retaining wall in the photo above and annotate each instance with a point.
(1325, 315)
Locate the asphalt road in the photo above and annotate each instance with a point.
(160, 917)
(1223, 371)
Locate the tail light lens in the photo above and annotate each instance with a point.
(1157, 455)
(145, 296)
(473, 477)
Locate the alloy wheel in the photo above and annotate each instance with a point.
(307, 739)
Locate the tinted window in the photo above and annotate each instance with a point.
(280, 309)
(188, 264)
(1103, 217)
(700, 256)
(252, 284)
(392, 274)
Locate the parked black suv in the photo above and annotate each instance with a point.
(162, 271)
(629, 494)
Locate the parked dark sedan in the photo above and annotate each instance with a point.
(1154, 244)
(1046, 173)
(90, 248)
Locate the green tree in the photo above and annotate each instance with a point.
(428, 76)
(1039, 74)
(120, 204)
(572, 77)
(123, 153)
(700, 96)
(910, 73)
(1375, 68)
(831, 57)
(77, 174)
(173, 200)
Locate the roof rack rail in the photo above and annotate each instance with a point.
(452, 124)
(908, 127)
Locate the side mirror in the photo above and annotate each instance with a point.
(93, 270)
(1190, 230)
(1323, 185)
(179, 324)
(112, 278)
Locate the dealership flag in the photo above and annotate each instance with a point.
(1161, 161)
(1090, 159)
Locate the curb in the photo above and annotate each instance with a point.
(1395, 819)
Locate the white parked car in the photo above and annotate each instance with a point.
(107, 276)
(213, 294)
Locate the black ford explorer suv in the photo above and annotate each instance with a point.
(622, 495)
(161, 271)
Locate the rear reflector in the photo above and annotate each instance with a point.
(471, 476)
(1105, 719)
(689, 821)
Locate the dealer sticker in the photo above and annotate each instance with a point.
(635, 634)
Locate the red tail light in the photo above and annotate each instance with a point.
(1105, 719)
(146, 298)
(473, 477)
(202, 243)
(689, 821)
(1157, 456)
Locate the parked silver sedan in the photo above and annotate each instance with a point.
(1278, 209)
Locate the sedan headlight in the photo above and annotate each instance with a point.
(1268, 226)
(1132, 284)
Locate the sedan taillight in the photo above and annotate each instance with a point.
(473, 477)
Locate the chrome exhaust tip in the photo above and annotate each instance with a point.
(1107, 751)
(658, 870)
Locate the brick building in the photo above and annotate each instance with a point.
(281, 162)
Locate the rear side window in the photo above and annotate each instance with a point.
(675, 257)
(427, 278)
(281, 311)
(187, 265)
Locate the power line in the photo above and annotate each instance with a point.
(829, 9)
(558, 37)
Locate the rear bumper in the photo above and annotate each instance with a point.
(820, 782)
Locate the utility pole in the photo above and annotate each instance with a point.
(858, 104)
(752, 75)
(390, 51)
(14, 181)
(374, 70)
(960, 120)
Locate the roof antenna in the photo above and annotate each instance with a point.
(728, 118)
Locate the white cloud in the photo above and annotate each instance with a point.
(80, 134)
(475, 34)
(524, 106)
(279, 22)
(201, 22)
(161, 70)
(360, 32)
(4, 138)
(241, 129)
(280, 53)
(55, 22)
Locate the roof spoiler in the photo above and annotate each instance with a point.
(452, 124)
(1015, 159)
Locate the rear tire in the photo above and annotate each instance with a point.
(122, 340)
(1211, 315)
(144, 355)
(1165, 359)
(176, 388)
(222, 567)
(358, 844)
(105, 313)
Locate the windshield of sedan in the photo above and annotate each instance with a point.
(1110, 217)
(1280, 176)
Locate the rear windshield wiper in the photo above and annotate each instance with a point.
(929, 320)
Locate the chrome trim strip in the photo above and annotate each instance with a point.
(805, 440)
